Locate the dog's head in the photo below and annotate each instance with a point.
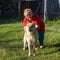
(30, 27)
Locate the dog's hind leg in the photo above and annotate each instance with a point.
(34, 44)
(33, 50)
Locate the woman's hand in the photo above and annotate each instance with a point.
(37, 27)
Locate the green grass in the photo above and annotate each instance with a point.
(11, 42)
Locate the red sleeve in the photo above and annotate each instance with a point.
(42, 25)
(24, 21)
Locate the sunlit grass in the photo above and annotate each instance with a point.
(11, 42)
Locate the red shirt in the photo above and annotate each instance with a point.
(37, 21)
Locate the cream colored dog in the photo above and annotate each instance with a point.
(31, 36)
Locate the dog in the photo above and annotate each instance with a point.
(31, 36)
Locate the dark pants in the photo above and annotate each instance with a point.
(41, 38)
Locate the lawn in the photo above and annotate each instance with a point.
(11, 42)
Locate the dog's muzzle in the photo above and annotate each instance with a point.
(30, 30)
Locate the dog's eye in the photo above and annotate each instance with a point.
(31, 26)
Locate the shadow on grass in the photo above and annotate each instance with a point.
(54, 45)
(57, 46)
(12, 47)
(11, 40)
(11, 43)
(50, 52)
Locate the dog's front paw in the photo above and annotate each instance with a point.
(23, 48)
(33, 54)
(29, 54)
